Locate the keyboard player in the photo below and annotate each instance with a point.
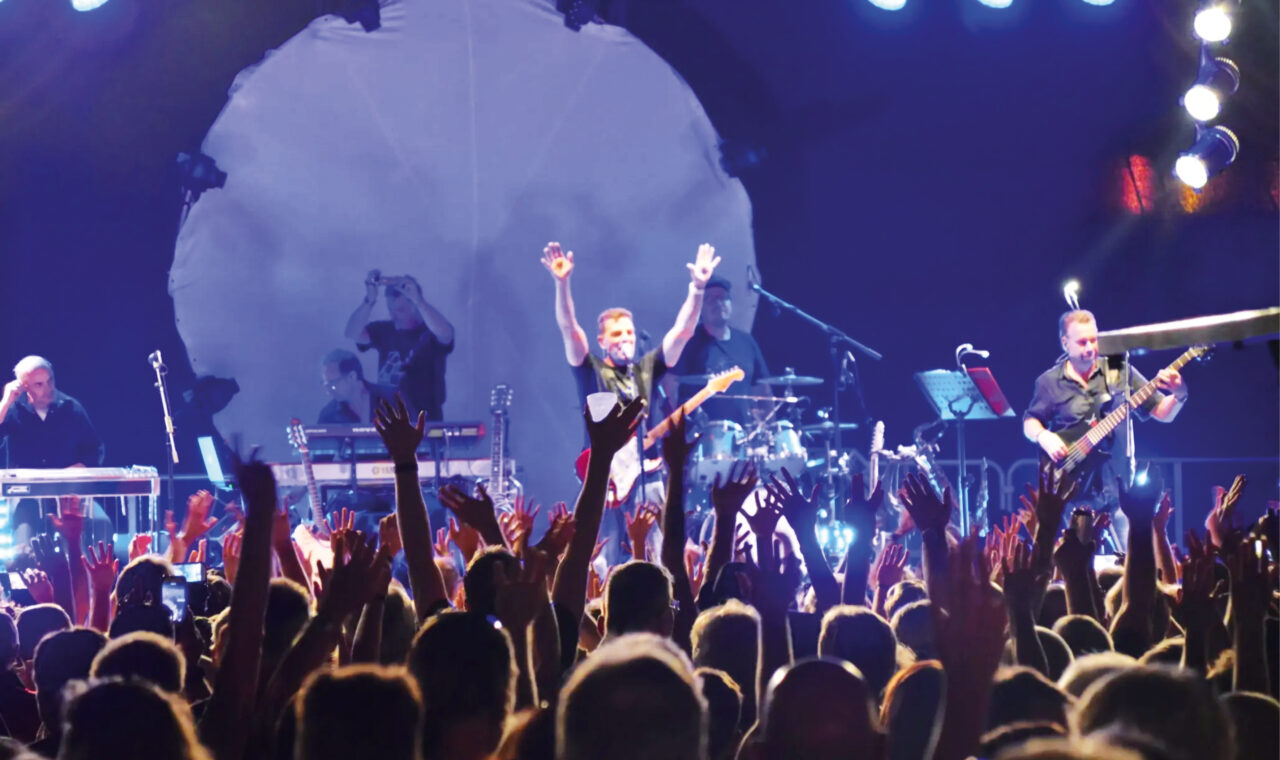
(44, 428)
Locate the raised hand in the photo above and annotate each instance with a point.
(728, 496)
(1135, 506)
(764, 521)
(558, 263)
(1222, 522)
(521, 597)
(38, 584)
(524, 512)
(441, 545)
(927, 510)
(389, 534)
(742, 545)
(69, 520)
(859, 512)
(399, 433)
(704, 265)
(200, 553)
(1023, 584)
(638, 527)
(466, 538)
(232, 542)
(695, 565)
(340, 523)
(476, 511)
(800, 510)
(258, 487)
(560, 531)
(198, 522)
(356, 577)
(371, 286)
(1192, 605)
(890, 565)
(1164, 510)
(1049, 500)
(1072, 556)
(610, 434)
(139, 545)
(101, 567)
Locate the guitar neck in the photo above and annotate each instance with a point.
(659, 430)
(313, 492)
(1136, 399)
(497, 481)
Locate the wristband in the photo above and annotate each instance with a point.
(404, 468)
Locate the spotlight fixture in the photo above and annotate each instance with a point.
(996, 3)
(1218, 78)
(889, 5)
(87, 5)
(1214, 149)
(1213, 22)
(1071, 294)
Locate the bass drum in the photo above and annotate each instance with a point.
(719, 446)
(783, 450)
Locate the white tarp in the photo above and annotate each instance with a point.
(451, 144)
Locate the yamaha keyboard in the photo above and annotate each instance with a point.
(80, 481)
(338, 440)
(293, 475)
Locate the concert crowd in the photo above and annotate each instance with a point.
(507, 642)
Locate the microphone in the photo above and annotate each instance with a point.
(156, 361)
(643, 335)
(753, 279)
(965, 349)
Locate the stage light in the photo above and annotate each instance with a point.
(1143, 476)
(1218, 78)
(1099, 2)
(889, 5)
(87, 5)
(1213, 24)
(996, 3)
(1071, 294)
(1214, 149)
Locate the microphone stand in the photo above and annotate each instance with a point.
(157, 364)
(838, 340)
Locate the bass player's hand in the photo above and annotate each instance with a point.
(1053, 445)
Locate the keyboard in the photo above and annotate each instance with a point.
(80, 481)
(292, 475)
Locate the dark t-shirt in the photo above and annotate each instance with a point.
(633, 381)
(1059, 402)
(411, 361)
(705, 354)
(340, 412)
(63, 438)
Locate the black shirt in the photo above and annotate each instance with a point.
(412, 361)
(340, 412)
(1060, 402)
(63, 438)
(705, 354)
(630, 382)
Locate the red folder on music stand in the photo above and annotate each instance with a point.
(963, 395)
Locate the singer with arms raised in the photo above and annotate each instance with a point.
(44, 428)
(1082, 388)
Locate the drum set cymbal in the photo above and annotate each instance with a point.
(785, 379)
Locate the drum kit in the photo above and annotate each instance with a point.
(774, 439)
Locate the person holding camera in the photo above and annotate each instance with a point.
(412, 345)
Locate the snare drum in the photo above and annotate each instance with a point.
(719, 446)
(784, 450)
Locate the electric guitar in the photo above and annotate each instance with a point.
(1084, 439)
(499, 486)
(625, 469)
(313, 541)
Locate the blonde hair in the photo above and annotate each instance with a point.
(608, 315)
(1075, 316)
(28, 364)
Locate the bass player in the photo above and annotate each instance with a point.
(1082, 388)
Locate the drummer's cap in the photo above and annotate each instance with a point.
(717, 281)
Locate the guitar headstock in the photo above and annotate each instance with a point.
(1200, 353)
(721, 381)
(297, 435)
(500, 398)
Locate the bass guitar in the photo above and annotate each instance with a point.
(1084, 439)
(627, 463)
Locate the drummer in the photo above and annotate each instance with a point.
(717, 346)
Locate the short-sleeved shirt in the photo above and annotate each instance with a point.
(340, 412)
(630, 382)
(704, 354)
(63, 438)
(413, 362)
(1060, 402)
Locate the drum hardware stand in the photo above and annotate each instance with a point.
(840, 343)
(157, 364)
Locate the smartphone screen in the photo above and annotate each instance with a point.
(174, 596)
(1103, 561)
(192, 571)
(16, 582)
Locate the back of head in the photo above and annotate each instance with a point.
(1176, 706)
(637, 599)
(466, 670)
(61, 658)
(142, 655)
(1165, 652)
(359, 711)
(1005, 737)
(1083, 634)
(724, 707)
(480, 583)
(142, 580)
(288, 610)
(635, 698)
(128, 720)
(399, 624)
(913, 625)
(1256, 720)
(1020, 695)
(134, 618)
(9, 649)
(36, 622)
(912, 709)
(860, 636)
(727, 637)
(1064, 749)
(901, 594)
(1056, 651)
(1054, 606)
(1082, 673)
(817, 709)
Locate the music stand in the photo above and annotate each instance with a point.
(963, 395)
